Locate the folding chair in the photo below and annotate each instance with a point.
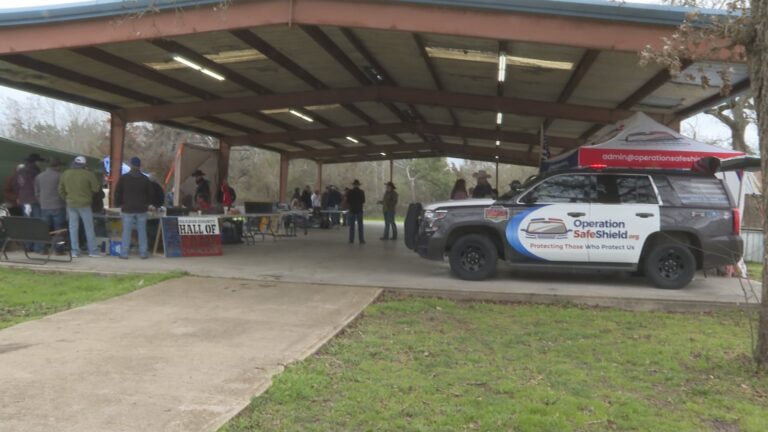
(23, 229)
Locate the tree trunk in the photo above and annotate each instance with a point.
(757, 52)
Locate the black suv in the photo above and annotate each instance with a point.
(663, 224)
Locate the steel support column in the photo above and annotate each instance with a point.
(391, 169)
(116, 144)
(283, 178)
(497, 175)
(224, 149)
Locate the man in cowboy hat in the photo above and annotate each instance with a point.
(483, 189)
(389, 204)
(203, 186)
(355, 201)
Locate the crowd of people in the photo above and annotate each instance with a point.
(71, 197)
(482, 189)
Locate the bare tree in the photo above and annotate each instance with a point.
(737, 114)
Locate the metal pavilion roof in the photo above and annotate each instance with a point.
(403, 78)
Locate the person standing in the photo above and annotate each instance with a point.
(77, 186)
(355, 201)
(483, 188)
(226, 195)
(24, 185)
(203, 187)
(10, 195)
(459, 191)
(134, 194)
(389, 205)
(52, 208)
(306, 197)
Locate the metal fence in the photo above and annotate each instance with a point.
(753, 245)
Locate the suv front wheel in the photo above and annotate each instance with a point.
(473, 257)
(669, 265)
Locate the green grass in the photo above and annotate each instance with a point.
(755, 270)
(27, 295)
(435, 365)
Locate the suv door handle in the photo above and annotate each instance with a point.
(644, 215)
(576, 214)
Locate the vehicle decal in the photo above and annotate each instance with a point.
(513, 233)
(546, 228)
(496, 214)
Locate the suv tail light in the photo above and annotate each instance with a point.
(736, 222)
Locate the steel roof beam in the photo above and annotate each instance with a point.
(395, 128)
(738, 88)
(468, 151)
(507, 105)
(173, 47)
(433, 73)
(662, 77)
(509, 25)
(578, 74)
(259, 44)
(382, 71)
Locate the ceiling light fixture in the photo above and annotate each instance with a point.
(213, 74)
(383, 154)
(491, 57)
(502, 67)
(498, 143)
(301, 115)
(187, 63)
(499, 118)
(497, 158)
(224, 57)
(353, 140)
(192, 65)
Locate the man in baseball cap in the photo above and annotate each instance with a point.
(76, 187)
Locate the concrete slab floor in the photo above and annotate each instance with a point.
(183, 355)
(326, 257)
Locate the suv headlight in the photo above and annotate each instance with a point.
(432, 219)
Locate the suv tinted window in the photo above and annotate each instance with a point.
(700, 191)
(562, 189)
(625, 189)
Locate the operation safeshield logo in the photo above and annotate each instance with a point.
(604, 229)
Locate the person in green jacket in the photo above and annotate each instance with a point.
(76, 187)
(389, 204)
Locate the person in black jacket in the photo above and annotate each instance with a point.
(203, 188)
(355, 201)
(134, 194)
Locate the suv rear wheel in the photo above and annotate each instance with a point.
(473, 257)
(669, 265)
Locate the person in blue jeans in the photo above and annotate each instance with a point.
(389, 204)
(355, 201)
(77, 186)
(134, 194)
(52, 208)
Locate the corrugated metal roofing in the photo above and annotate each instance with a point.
(593, 9)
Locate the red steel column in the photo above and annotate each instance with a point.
(283, 177)
(224, 149)
(116, 144)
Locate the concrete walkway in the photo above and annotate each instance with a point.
(326, 257)
(183, 355)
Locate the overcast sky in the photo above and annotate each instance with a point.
(706, 126)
